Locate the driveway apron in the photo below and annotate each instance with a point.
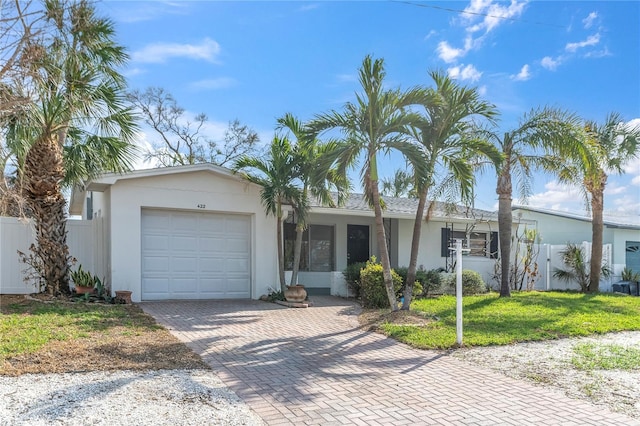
(316, 366)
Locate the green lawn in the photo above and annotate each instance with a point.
(27, 327)
(526, 316)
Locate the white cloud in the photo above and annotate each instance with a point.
(629, 204)
(431, 34)
(208, 50)
(347, 78)
(449, 54)
(133, 72)
(589, 20)
(636, 181)
(523, 75)
(549, 63)
(482, 90)
(614, 189)
(214, 83)
(557, 197)
(590, 41)
(308, 7)
(465, 73)
(490, 14)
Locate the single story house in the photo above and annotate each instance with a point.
(200, 231)
(557, 228)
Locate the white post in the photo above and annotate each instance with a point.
(459, 292)
(548, 267)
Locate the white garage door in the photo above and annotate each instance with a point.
(187, 255)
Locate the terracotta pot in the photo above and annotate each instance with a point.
(295, 293)
(123, 296)
(83, 290)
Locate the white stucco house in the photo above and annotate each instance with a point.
(557, 227)
(200, 231)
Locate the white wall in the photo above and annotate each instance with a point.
(187, 191)
(83, 238)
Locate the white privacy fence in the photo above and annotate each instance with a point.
(85, 239)
(550, 258)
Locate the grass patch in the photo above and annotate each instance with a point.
(60, 336)
(526, 316)
(591, 356)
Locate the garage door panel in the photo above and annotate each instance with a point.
(237, 265)
(155, 242)
(191, 255)
(211, 265)
(212, 244)
(155, 264)
(184, 244)
(237, 245)
(157, 285)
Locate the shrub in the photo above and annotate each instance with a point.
(472, 283)
(352, 277)
(374, 293)
(418, 287)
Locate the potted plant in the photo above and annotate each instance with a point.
(83, 281)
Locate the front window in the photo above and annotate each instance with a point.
(317, 252)
(476, 242)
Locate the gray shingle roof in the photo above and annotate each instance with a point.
(406, 207)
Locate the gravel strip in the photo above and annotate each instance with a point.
(549, 364)
(165, 397)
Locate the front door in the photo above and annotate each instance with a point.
(357, 243)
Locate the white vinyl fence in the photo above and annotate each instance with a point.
(85, 239)
(550, 258)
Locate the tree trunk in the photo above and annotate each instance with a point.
(415, 247)
(296, 254)
(505, 221)
(44, 172)
(283, 285)
(597, 205)
(382, 246)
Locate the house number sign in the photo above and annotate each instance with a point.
(202, 206)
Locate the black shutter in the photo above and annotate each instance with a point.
(493, 245)
(444, 247)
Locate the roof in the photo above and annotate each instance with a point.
(102, 182)
(611, 220)
(405, 208)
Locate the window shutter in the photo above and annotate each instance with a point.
(493, 245)
(444, 247)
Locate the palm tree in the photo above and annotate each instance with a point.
(373, 125)
(316, 180)
(577, 270)
(277, 174)
(400, 185)
(79, 124)
(555, 131)
(611, 146)
(447, 149)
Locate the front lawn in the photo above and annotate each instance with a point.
(526, 316)
(61, 336)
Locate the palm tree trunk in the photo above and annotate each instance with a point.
(44, 171)
(597, 226)
(280, 249)
(297, 250)
(505, 221)
(415, 247)
(382, 245)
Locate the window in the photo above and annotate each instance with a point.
(317, 252)
(481, 244)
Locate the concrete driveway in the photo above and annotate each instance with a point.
(315, 366)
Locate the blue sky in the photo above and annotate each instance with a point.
(256, 61)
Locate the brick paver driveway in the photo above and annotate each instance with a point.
(315, 366)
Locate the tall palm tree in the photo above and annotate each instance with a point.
(448, 147)
(372, 125)
(79, 124)
(611, 145)
(551, 130)
(277, 174)
(317, 181)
